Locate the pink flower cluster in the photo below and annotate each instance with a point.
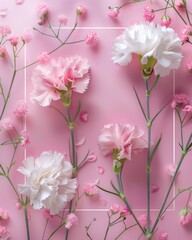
(54, 79)
(126, 139)
(71, 220)
(21, 108)
(185, 217)
(24, 138)
(123, 210)
(90, 189)
(42, 12)
(149, 15)
(180, 101)
(62, 19)
(91, 39)
(186, 33)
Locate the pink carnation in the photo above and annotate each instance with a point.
(6, 124)
(185, 217)
(180, 101)
(91, 39)
(21, 108)
(2, 51)
(90, 189)
(3, 214)
(185, 33)
(14, 39)
(24, 138)
(3, 233)
(26, 37)
(125, 138)
(124, 212)
(43, 58)
(113, 12)
(115, 208)
(65, 74)
(189, 67)
(149, 15)
(5, 30)
(71, 220)
(62, 19)
(165, 21)
(143, 220)
(81, 10)
(163, 236)
(42, 9)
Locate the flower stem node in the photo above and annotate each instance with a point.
(66, 98)
(149, 123)
(122, 196)
(75, 170)
(71, 125)
(148, 236)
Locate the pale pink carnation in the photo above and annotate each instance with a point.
(90, 189)
(83, 116)
(6, 124)
(62, 19)
(91, 39)
(143, 220)
(5, 30)
(21, 108)
(187, 108)
(14, 39)
(163, 236)
(125, 138)
(171, 168)
(115, 208)
(71, 220)
(24, 138)
(65, 74)
(81, 10)
(185, 217)
(179, 3)
(124, 212)
(42, 9)
(113, 12)
(43, 58)
(180, 101)
(2, 51)
(3, 214)
(189, 67)
(4, 233)
(149, 15)
(185, 33)
(26, 37)
(165, 21)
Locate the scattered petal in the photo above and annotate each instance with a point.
(163, 236)
(20, 2)
(81, 142)
(83, 116)
(91, 158)
(101, 170)
(102, 202)
(171, 168)
(154, 188)
(3, 12)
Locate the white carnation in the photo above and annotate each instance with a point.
(48, 182)
(148, 40)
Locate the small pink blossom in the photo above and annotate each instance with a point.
(187, 108)
(18, 205)
(179, 3)
(81, 10)
(24, 138)
(189, 67)
(101, 170)
(43, 58)
(91, 39)
(62, 19)
(171, 168)
(90, 189)
(180, 101)
(165, 21)
(42, 9)
(71, 220)
(5, 30)
(186, 33)
(143, 220)
(3, 51)
(185, 217)
(81, 142)
(115, 208)
(20, 1)
(21, 108)
(3, 214)
(125, 139)
(4, 233)
(149, 14)
(46, 214)
(163, 236)
(83, 116)
(14, 39)
(124, 212)
(154, 188)
(92, 157)
(26, 37)
(113, 12)
(6, 124)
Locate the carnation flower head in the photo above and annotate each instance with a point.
(62, 19)
(26, 37)
(21, 108)
(58, 79)
(91, 39)
(185, 217)
(24, 138)
(165, 21)
(14, 39)
(43, 58)
(71, 220)
(48, 182)
(115, 208)
(90, 189)
(5, 30)
(125, 139)
(81, 10)
(158, 48)
(180, 101)
(149, 14)
(186, 31)
(113, 12)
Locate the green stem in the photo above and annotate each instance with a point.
(61, 225)
(26, 221)
(181, 127)
(126, 228)
(184, 152)
(107, 230)
(45, 228)
(13, 187)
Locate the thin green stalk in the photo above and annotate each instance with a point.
(126, 228)
(14, 189)
(61, 225)
(181, 127)
(47, 221)
(108, 226)
(184, 152)
(26, 221)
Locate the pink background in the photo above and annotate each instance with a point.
(109, 99)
